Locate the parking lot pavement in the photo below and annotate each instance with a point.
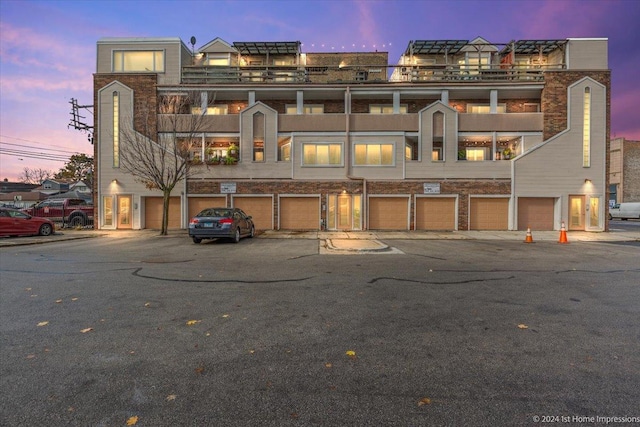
(345, 239)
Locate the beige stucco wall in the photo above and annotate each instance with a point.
(587, 54)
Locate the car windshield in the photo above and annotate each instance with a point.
(215, 212)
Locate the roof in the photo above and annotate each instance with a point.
(264, 48)
(530, 47)
(433, 47)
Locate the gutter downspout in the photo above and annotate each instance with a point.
(347, 157)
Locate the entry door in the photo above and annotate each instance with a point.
(124, 212)
(344, 212)
(576, 212)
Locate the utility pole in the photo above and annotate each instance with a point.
(77, 121)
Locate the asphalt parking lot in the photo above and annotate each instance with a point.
(275, 331)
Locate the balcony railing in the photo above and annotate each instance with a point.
(199, 74)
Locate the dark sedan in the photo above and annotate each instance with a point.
(213, 223)
(16, 223)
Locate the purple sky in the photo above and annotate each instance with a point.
(47, 48)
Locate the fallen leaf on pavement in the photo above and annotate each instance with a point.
(522, 326)
(74, 299)
(424, 401)
(171, 397)
(328, 365)
(132, 421)
(225, 315)
(193, 322)
(351, 354)
(43, 323)
(84, 331)
(58, 301)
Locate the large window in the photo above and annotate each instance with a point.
(322, 154)
(386, 109)
(307, 109)
(485, 108)
(214, 110)
(373, 154)
(217, 59)
(132, 60)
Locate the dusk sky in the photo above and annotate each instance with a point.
(48, 48)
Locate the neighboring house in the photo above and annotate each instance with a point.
(80, 187)
(462, 135)
(624, 173)
(21, 199)
(10, 187)
(52, 186)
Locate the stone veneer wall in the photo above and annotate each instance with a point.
(462, 188)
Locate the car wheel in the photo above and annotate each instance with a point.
(252, 232)
(197, 240)
(76, 221)
(45, 230)
(236, 236)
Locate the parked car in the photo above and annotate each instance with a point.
(213, 223)
(17, 223)
(625, 211)
(69, 212)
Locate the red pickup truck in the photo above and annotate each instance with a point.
(69, 212)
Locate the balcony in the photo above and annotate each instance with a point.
(202, 74)
(507, 122)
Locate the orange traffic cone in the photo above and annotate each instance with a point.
(529, 238)
(563, 234)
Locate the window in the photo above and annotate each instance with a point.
(386, 109)
(476, 154)
(284, 149)
(373, 154)
(217, 60)
(214, 110)
(131, 60)
(586, 129)
(322, 154)
(437, 152)
(485, 108)
(116, 130)
(306, 109)
(361, 76)
(471, 64)
(107, 205)
(411, 151)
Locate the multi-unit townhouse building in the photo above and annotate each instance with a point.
(457, 135)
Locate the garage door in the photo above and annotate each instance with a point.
(435, 213)
(260, 209)
(489, 213)
(300, 213)
(535, 212)
(388, 213)
(198, 204)
(153, 213)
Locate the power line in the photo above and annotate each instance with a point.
(30, 155)
(29, 140)
(39, 148)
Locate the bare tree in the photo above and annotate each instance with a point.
(158, 153)
(35, 176)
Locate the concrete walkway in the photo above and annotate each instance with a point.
(344, 240)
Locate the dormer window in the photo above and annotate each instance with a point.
(218, 60)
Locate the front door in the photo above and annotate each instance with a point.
(124, 212)
(576, 213)
(344, 212)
